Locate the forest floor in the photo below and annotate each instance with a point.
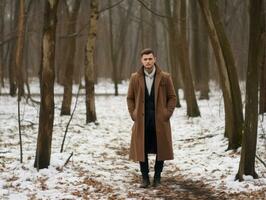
(99, 167)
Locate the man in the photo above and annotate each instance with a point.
(151, 100)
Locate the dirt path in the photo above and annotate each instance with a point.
(178, 186)
(174, 185)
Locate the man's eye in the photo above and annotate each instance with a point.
(147, 59)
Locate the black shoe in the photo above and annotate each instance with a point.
(156, 180)
(145, 182)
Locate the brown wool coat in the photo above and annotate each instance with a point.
(165, 102)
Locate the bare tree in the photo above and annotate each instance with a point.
(153, 32)
(20, 49)
(12, 64)
(2, 9)
(227, 71)
(183, 56)
(62, 41)
(262, 102)
(234, 15)
(249, 142)
(18, 62)
(262, 105)
(199, 51)
(89, 62)
(173, 48)
(117, 43)
(70, 57)
(47, 76)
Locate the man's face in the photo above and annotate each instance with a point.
(148, 61)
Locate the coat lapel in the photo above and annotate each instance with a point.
(158, 78)
(141, 78)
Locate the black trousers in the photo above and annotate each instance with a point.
(144, 166)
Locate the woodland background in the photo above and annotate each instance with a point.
(81, 42)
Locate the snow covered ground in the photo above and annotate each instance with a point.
(99, 167)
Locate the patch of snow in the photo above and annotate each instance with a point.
(99, 167)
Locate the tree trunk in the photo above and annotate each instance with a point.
(20, 48)
(183, 56)
(243, 41)
(12, 63)
(89, 62)
(262, 108)
(62, 42)
(153, 38)
(12, 71)
(122, 45)
(2, 9)
(233, 78)
(142, 28)
(27, 49)
(227, 72)
(47, 76)
(135, 49)
(200, 52)
(117, 50)
(70, 59)
(173, 48)
(114, 55)
(248, 152)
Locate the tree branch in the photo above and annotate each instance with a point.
(110, 7)
(261, 160)
(75, 34)
(155, 13)
(198, 138)
(19, 131)
(68, 159)
(62, 146)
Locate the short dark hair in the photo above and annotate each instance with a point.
(146, 51)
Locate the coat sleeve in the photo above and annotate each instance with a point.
(171, 96)
(131, 97)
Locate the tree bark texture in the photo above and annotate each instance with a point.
(199, 51)
(262, 101)
(20, 49)
(227, 72)
(122, 45)
(12, 62)
(114, 52)
(249, 142)
(117, 46)
(70, 59)
(2, 9)
(62, 42)
(173, 48)
(232, 75)
(183, 55)
(47, 76)
(89, 62)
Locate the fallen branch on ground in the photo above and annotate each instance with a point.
(261, 160)
(198, 138)
(68, 159)
(62, 146)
